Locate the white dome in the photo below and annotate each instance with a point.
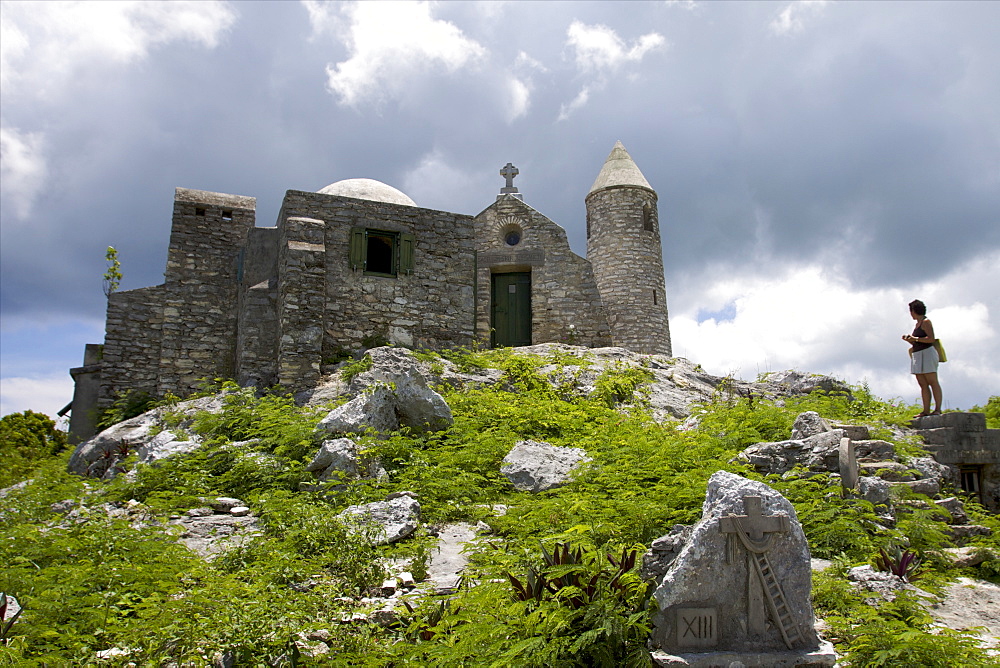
(369, 189)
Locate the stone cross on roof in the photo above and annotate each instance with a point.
(509, 172)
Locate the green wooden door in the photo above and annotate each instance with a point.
(510, 310)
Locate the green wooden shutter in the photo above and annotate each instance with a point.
(357, 259)
(407, 245)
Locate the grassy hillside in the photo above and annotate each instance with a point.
(90, 581)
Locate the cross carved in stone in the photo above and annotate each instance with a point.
(509, 172)
(753, 526)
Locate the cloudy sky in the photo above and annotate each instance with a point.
(818, 164)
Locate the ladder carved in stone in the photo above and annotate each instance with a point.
(776, 599)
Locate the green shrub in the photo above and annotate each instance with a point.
(26, 440)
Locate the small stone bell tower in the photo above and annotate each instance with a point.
(623, 245)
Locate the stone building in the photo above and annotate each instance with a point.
(359, 264)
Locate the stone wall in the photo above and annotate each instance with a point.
(432, 307)
(301, 301)
(963, 441)
(200, 291)
(257, 324)
(131, 358)
(565, 304)
(623, 245)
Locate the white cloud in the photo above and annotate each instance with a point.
(390, 43)
(565, 110)
(805, 319)
(52, 42)
(22, 168)
(42, 394)
(519, 99)
(793, 17)
(598, 52)
(599, 48)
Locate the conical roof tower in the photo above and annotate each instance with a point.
(623, 246)
(619, 170)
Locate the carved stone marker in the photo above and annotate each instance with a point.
(848, 466)
(738, 590)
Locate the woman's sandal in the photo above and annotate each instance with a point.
(936, 413)
(921, 414)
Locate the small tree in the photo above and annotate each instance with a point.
(114, 273)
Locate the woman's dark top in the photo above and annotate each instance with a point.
(919, 332)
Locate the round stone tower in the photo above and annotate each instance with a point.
(623, 246)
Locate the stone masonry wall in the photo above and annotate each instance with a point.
(565, 304)
(131, 358)
(301, 301)
(430, 308)
(628, 267)
(200, 292)
(258, 331)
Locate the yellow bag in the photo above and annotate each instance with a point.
(939, 347)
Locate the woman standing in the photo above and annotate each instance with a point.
(924, 358)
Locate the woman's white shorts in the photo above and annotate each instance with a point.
(924, 361)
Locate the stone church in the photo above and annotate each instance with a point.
(359, 264)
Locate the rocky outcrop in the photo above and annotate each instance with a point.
(533, 466)
(384, 522)
(820, 452)
(147, 434)
(220, 525)
(393, 392)
(374, 409)
(341, 459)
(809, 424)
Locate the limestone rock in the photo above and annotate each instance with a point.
(927, 486)
(796, 382)
(374, 409)
(662, 552)
(393, 392)
(967, 557)
(102, 455)
(884, 585)
(341, 455)
(820, 452)
(891, 471)
(874, 490)
(383, 522)
(954, 506)
(532, 466)
(931, 469)
(164, 445)
(225, 504)
(808, 424)
(207, 532)
(876, 450)
(707, 602)
(961, 533)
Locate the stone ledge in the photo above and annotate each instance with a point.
(967, 422)
(821, 657)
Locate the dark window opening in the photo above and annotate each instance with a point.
(971, 477)
(588, 224)
(513, 238)
(654, 297)
(199, 211)
(648, 219)
(380, 253)
(227, 215)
